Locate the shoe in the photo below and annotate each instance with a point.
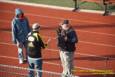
(75, 9)
(25, 60)
(21, 62)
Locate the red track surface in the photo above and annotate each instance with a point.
(96, 37)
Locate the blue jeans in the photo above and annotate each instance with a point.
(35, 63)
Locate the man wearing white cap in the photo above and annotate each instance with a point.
(67, 38)
(34, 46)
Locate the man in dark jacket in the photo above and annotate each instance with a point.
(20, 30)
(66, 43)
(34, 46)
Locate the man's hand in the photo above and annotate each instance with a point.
(65, 38)
(46, 45)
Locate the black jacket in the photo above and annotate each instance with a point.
(35, 52)
(66, 39)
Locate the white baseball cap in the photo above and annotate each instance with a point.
(35, 26)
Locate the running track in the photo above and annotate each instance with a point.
(96, 33)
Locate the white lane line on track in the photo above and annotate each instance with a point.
(51, 63)
(91, 43)
(23, 68)
(83, 54)
(100, 44)
(106, 34)
(47, 62)
(86, 42)
(58, 18)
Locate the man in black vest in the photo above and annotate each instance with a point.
(34, 46)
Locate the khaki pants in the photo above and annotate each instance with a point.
(67, 63)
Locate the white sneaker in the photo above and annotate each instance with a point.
(21, 62)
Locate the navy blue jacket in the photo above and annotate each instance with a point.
(20, 29)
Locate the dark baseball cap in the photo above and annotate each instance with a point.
(66, 21)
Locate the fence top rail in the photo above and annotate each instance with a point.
(99, 1)
(93, 0)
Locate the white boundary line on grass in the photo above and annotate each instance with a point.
(51, 6)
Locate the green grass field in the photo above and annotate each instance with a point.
(69, 3)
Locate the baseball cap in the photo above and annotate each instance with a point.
(18, 11)
(35, 26)
(66, 21)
